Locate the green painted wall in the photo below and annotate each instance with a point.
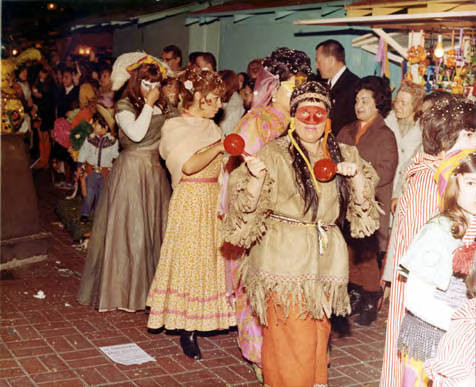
(152, 37)
(236, 43)
(257, 36)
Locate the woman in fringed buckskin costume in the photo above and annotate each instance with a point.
(267, 120)
(295, 270)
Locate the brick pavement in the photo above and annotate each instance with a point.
(54, 341)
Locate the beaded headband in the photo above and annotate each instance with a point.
(317, 96)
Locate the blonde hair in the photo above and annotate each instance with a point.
(416, 91)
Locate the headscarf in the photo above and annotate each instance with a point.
(446, 169)
(265, 87)
(281, 65)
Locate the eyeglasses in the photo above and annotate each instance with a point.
(168, 59)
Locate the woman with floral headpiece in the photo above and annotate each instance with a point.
(267, 120)
(188, 291)
(130, 218)
(295, 268)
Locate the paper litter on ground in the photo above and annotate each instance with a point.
(127, 354)
(40, 294)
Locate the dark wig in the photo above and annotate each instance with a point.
(380, 88)
(148, 71)
(442, 123)
(316, 92)
(285, 63)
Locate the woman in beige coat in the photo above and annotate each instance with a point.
(295, 270)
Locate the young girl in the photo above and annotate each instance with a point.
(455, 362)
(433, 292)
(188, 291)
(295, 270)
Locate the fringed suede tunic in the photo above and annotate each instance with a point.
(294, 261)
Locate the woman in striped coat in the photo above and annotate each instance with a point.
(449, 124)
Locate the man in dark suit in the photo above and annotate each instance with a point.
(330, 61)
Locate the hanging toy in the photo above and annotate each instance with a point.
(457, 87)
(416, 56)
(450, 60)
(430, 78)
(459, 57)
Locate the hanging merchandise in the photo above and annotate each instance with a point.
(382, 58)
(416, 58)
(455, 69)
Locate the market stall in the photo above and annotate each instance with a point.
(434, 41)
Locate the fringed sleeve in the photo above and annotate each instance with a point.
(242, 225)
(363, 217)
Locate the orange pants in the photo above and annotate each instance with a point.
(294, 352)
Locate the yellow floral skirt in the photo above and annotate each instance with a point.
(188, 291)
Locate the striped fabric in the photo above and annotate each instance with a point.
(418, 204)
(470, 235)
(455, 361)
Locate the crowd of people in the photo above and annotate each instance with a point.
(205, 240)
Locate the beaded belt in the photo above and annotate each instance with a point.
(320, 227)
(199, 179)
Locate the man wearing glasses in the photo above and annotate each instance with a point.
(172, 55)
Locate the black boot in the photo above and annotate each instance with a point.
(340, 325)
(369, 308)
(188, 341)
(356, 298)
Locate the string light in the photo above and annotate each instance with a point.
(51, 6)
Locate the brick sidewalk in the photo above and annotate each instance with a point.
(55, 341)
